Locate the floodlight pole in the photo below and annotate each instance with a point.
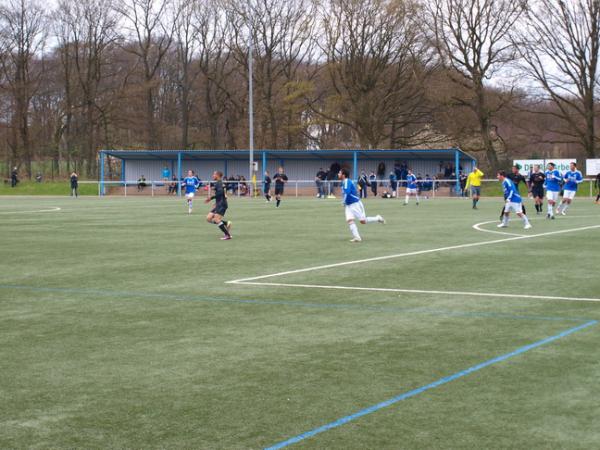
(250, 104)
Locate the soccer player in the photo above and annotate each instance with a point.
(353, 206)
(597, 183)
(411, 187)
(513, 201)
(536, 187)
(572, 179)
(280, 179)
(516, 177)
(474, 182)
(267, 186)
(190, 183)
(216, 214)
(553, 180)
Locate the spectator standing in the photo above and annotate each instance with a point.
(14, 177)
(319, 181)
(373, 183)
(463, 184)
(363, 184)
(393, 183)
(74, 185)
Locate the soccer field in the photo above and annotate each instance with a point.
(127, 323)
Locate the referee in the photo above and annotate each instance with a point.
(537, 178)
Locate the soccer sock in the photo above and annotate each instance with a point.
(417, 197)
(354, 230)
(505, 219)
(223, 228)
(525, 219)
(565, 206)
(372, 219)
(550, 209)
(278, 202)
(406, 199)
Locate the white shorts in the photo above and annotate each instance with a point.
(411, 191)
(355, 211)
(512, 206)
(189, 195)
(552, 195)
(569, 194)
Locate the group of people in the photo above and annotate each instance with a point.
(541, 184)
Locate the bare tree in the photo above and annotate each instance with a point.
(473, 42)
(186, 34)
(152, 24)
(281, 33)
(376, 61)
(87, 32)
(560, 44)
(22, 36)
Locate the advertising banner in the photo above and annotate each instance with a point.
(592, 167)
(562, 165)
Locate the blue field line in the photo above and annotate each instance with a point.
(341, 306)
(440, 382)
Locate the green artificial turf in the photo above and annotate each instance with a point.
(119, 329)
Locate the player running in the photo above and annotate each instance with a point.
(411, 187)
(190, 183)
(267, 186)
(280, 179)
(553, 180)
(536, 187)
(513, 201)
(572, 179)
(216, 214)
(353, 206)
(474, 181)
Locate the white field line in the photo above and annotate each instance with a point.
(419, 291)
(478, 225)
(419, 252)
(53, 209)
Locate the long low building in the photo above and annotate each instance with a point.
(298, 164)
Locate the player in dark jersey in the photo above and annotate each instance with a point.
(267, 186)
(597, 183)
(536, 187)
(216, 214)
(280, 179)
(516, 178)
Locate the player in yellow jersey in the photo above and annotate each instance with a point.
(474, 182)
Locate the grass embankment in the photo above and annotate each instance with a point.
(47, 188)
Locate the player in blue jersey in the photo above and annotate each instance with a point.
(553, 182)
(190, 183)
(353, 206)
(513, 201)
(572, 179)
(411, 187)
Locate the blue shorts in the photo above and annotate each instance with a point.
(476, 190)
